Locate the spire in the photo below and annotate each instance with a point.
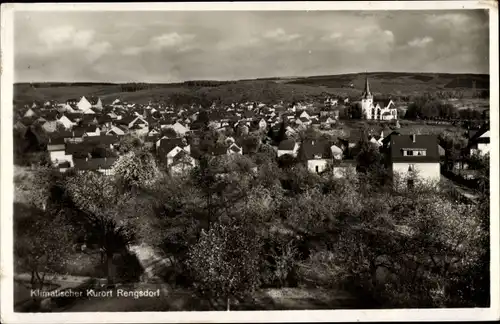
(366, 91)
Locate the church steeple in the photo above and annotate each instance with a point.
(366, 91)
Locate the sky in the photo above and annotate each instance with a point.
(223, 45)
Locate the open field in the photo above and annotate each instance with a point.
(265, 90)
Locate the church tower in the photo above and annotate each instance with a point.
(367, 101)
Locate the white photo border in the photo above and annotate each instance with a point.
(7, 190)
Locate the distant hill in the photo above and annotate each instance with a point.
(397, 82)
(264, 89)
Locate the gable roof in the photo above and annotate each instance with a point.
(476, 136)
(316, 147)
(429, 143)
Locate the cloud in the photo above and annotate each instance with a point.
(333, 36)
(158, 43)
(420, 42)
(456, 19)
(363, 39)
(98, 49)
(124, 46)
(280, 35)
(68, 38)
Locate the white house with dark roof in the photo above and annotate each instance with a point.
(414, 157)
(317, 153)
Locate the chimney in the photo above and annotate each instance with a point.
(413, 137)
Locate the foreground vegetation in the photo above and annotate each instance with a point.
(237, 224)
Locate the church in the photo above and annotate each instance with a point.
(371, 111)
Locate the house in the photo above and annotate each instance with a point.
(168, 148)
(376, 140)
(138, 121)
(72, 102)
(102, 140)
(414, 157)
(57, 151)
(288, 146)
(337, 152)
(83, 104)
(30, 113)
(102, 165)
(178, 128)
(303, 121)
(96, 103)
(479, 141)
(326, 121)
(304, 114)
(68, 108)
(91, 130)
(317, 153)
(290, 131)
(89, 112)
(115, 130)
(234, 149)
(51, 126)
(262, 124)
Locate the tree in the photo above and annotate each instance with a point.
(265, 155)
(129, 143)
(107, 227)
(60, 127)
(136, 169)
(369, 156)
(225, 262)
(281, 136)
(251, 144)
(42, 245)
(287, 161)
(169, 133)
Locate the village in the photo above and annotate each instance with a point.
(84, 134)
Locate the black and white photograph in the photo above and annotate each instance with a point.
(231, 158)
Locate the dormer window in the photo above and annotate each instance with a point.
(414, 152)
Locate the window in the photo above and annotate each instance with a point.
(409, 153)
(317, 169)
(411, 168)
